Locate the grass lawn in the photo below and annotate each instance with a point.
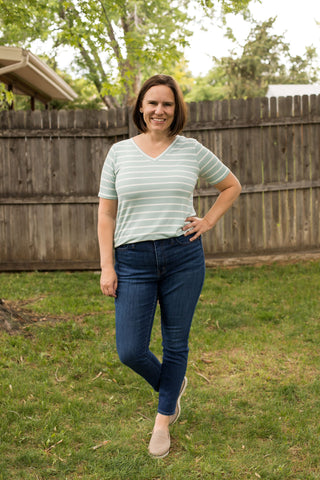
(70, 410)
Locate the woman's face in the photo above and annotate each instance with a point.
(158, 107)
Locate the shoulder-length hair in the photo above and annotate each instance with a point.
(180, 111)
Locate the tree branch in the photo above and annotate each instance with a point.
(113, 40)
(91, 60)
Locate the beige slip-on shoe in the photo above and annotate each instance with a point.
(159, 445)
(176, 415)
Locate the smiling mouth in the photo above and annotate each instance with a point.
(158, 120)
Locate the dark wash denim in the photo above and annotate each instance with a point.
(170, 271)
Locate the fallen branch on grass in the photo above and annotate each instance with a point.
(201, 375)
(97, 376)
(53, 446)
(100, 445)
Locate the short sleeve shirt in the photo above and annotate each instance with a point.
(155, 195)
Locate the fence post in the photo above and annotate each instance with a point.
(133, 131)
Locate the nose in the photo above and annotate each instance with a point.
(159, 108)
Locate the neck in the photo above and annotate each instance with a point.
(158, 137)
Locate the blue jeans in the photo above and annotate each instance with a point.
(170, 271)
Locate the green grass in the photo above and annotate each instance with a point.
(251, 410)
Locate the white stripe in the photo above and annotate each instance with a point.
(215, 173)
(153, 212)
(144, 205)
(154, 230)
(153, 198)
(151, 219)
(193, 167)
(163, 190)
(129, 187)
(162, 177)
(208, 162)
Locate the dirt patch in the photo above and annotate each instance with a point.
(13, 317)
(259, 260)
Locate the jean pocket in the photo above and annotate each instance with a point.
(185, 240)
(125, 246)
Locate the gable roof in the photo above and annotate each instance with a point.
(26, 74)
(292, 90)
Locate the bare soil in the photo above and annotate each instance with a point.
(14, 317)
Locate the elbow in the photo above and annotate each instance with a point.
(237, 188)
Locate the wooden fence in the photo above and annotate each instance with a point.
(50, 165)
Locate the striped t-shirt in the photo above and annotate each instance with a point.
(155, 195)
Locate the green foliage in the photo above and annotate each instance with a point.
(116, 43)
(264, 59)
(24, 21)
(303, 70)
(260, 61)
(227, 6)
(6, 98)
(183, 76)
(88, 97)
(210, 87)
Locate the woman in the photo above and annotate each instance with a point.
(146, 212)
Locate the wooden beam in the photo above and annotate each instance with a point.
(64, 132)
(49, 200)
(271, 187)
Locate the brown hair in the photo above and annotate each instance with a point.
(180, 111)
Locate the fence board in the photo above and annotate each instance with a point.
(50, 165)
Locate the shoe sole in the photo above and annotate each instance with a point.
(159, 456)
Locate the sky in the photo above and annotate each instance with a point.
(296, 20)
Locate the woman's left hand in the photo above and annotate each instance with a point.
(196, 227)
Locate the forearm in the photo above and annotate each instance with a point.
(106, 227)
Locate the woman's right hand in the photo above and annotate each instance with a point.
(109, 281)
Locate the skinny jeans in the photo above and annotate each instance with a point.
(171, 272)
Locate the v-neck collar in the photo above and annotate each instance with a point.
(159, 156)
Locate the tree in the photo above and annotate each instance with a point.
(303, 69)
(210, 87)
(6, 98)
(116, 42)
(265, 59)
